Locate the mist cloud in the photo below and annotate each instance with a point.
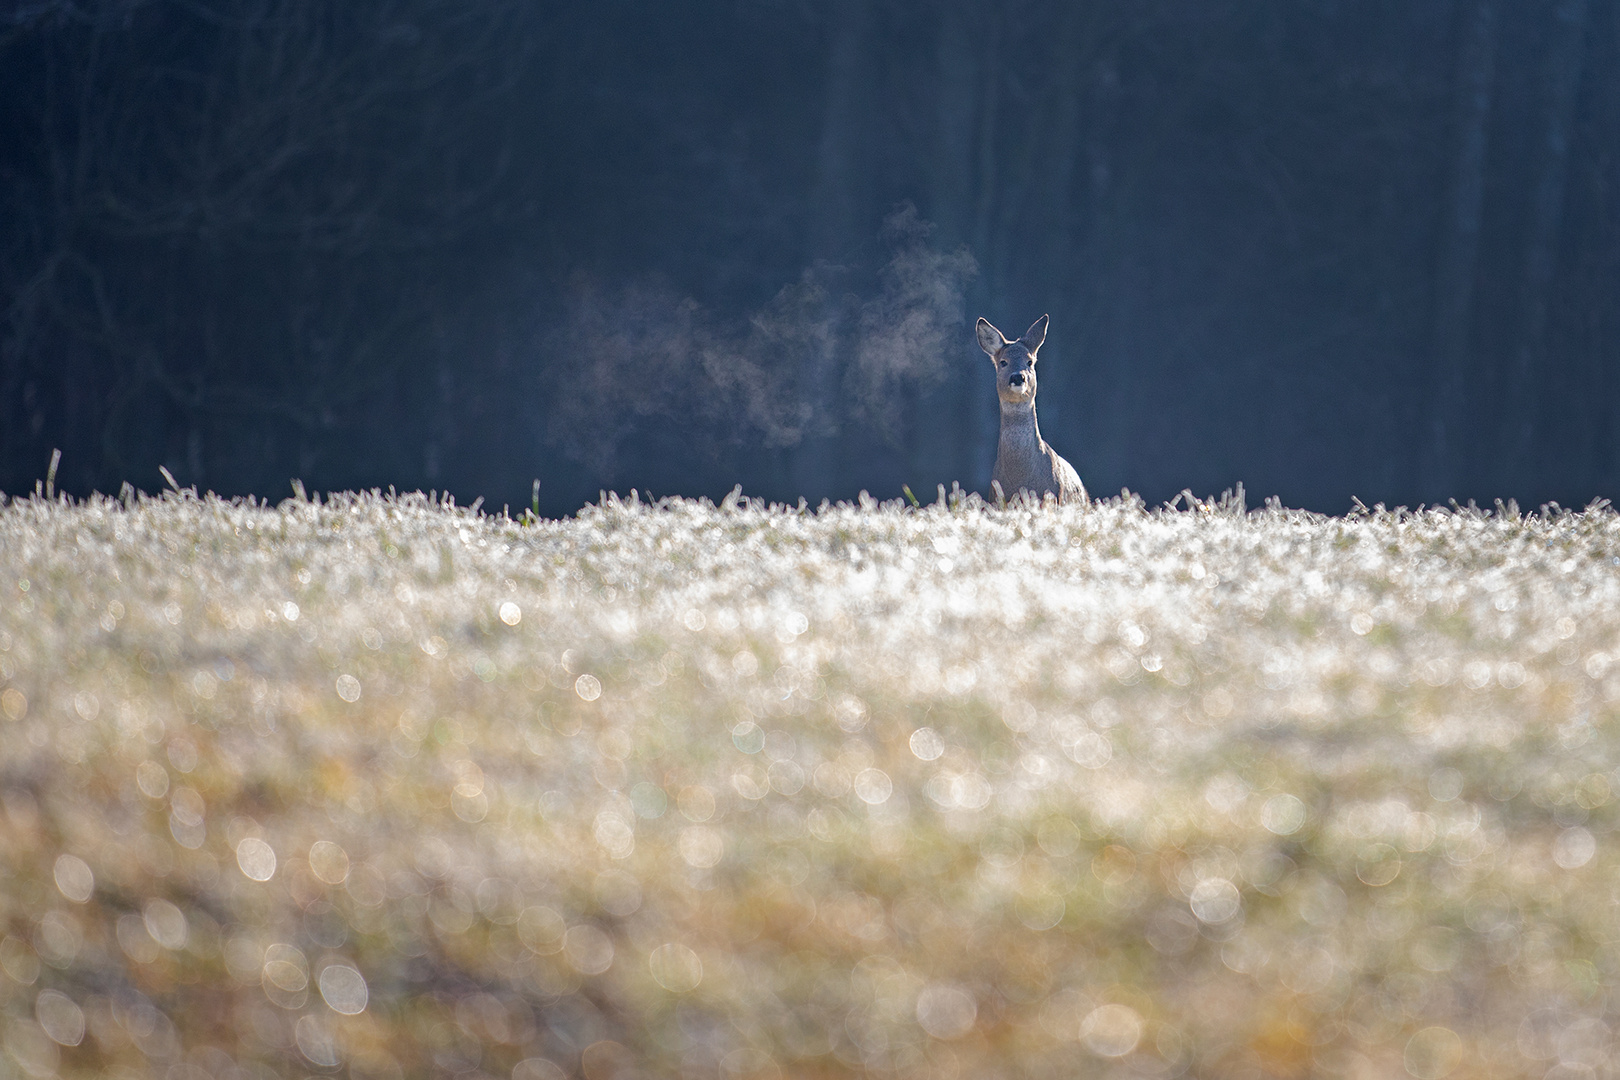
(817, 358)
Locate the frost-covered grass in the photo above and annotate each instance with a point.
(396, 788)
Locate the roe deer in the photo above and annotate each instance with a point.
(1023, 460)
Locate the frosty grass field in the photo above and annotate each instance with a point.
(384, 787)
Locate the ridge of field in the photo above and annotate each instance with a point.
(385, 786)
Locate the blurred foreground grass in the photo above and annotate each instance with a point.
(387, 788)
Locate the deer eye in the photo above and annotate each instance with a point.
(1001, 363)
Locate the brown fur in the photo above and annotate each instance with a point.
(1023, 460)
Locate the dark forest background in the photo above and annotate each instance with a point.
(1328, 248)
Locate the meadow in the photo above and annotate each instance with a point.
(381, 787)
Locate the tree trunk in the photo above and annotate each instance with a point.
(983, 419)
(1564, 63)
(836, 203)
(1061, 154)
(1459, 255)
(1603, 468)
(946, 433)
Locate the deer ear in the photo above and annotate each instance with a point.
(1035, 334)
(990, 339)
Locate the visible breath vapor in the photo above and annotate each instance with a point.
(816, 359)
(906, 331)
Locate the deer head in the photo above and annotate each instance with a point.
(1014, 360)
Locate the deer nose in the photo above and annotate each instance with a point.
(1017, 378)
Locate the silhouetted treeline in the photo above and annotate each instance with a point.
(1327, 248)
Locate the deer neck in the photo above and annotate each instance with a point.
(1020, 434)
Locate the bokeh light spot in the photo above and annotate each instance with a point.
(285, 967)
(315, 1042)
(1433, 1053)
(926, 744)
(329, 862)
(344, 989)
(538, 1068)
(588, 950)
(1111, 1030)
(256, 859)
(1378, 865)
(1574, 847)
(648, 800)
(1283, 814)
(748, 737)
(74, 878)
(152, 779)
(873, 786)
(59, 1017)
(700, 846)
(946, 1011)
(675, 967)
(541, 929)
(166, 923)
(1215, 900)
(1445, 784)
